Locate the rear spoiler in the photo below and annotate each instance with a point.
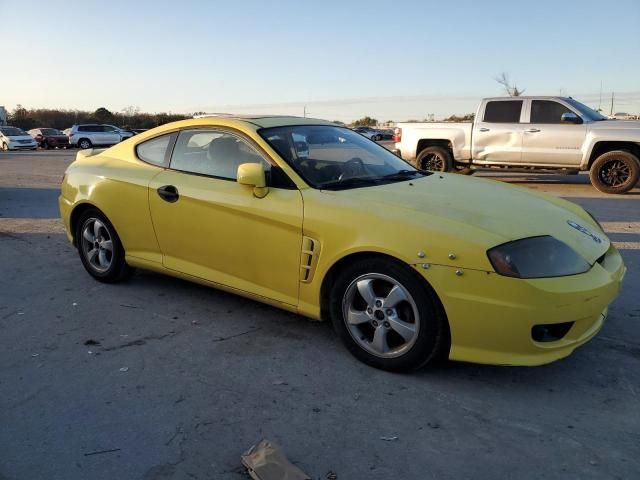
(89, 152)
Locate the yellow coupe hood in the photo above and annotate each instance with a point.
(505, 211)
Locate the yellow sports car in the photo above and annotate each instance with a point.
(316, 219)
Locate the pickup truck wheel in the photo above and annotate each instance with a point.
(615, 172)
(435, 159)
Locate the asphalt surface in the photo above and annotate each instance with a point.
(183, 378)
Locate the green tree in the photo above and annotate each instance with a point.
(366, 122)
(103, 115)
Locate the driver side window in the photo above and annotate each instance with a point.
(213, 153)
(547, 111)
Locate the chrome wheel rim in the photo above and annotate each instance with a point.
(433, 162)
(381, 315)
(84, 144)
(97, 245)
(614, 173)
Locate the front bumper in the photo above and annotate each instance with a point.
(492, 317)
(22, 146)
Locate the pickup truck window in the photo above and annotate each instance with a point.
(505, 111)
(547, 111)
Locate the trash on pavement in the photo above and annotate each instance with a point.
(389, 439)
(267, 461)
(124, 369)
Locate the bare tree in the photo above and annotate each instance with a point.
(511, 89)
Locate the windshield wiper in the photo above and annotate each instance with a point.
(401, 174)
(349, 183)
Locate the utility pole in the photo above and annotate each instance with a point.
(600, 101)
(612, 97)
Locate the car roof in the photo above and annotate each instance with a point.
(530, 97)
(268, 121)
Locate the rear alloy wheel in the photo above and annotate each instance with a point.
(387, 316)
(5, 147)
(435, 159)
(84, 144)
(100, 249)
(615, 172)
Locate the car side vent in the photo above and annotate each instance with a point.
(308, 258)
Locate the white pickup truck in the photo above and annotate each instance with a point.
(542, 133)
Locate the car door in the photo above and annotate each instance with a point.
(497, 135)
(211, 227)
(111, 135)
(549, 141)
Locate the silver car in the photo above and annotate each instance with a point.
(90, 135)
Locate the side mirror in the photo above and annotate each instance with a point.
(570, 117)
(252, 175)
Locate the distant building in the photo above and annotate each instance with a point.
(3, 115)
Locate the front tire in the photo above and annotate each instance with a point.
(615, 172)
(435, 159)
(100, 249)
(5, 147)
(387, 316)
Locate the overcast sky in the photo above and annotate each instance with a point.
(342, 59)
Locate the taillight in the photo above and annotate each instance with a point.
(397, 135)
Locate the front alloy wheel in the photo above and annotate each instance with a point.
(615, 172)
(381, 315)
(387, 315)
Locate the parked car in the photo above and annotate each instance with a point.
(13, 138)
(622, 116)
(370, 133)
(88, 136)
(408, 265)
(49, 138)
(544, 133)
(136, 131)
(124, 133)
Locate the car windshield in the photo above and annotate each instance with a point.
(585, 111)
(50, 131)
(336, 158)
(13, 132)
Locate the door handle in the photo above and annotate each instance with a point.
(483, 129)
(533, 130)
(169, 193)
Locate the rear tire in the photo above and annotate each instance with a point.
(615, 172)
(100, 249)
(435, 159)
(84, 144)
(5, 147)
(398, 331)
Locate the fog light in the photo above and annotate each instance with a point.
(551, 332)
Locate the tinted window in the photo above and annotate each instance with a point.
(547, 111)
(503, 111)
(153, 151)
(84, 128)
(214, 153)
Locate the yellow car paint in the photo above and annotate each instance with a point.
(280, 249)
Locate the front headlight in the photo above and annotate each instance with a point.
(536, 257)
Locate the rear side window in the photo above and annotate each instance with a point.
(547, 111)
(154, 151)
(83, 128)
(213, 153)
(506, 111)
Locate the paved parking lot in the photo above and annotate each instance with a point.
(160, 378)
